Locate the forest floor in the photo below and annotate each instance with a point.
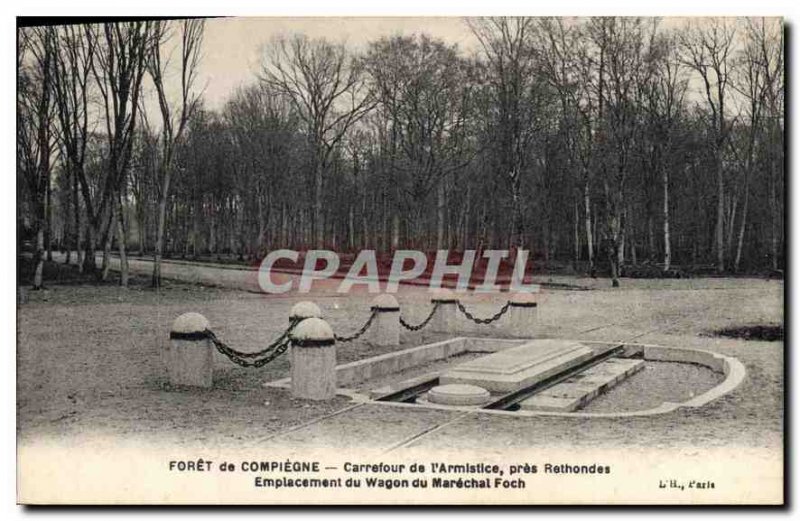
(89, 363)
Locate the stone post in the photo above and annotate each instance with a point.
(313, 360)
(303, 310)
(190, 356)
(445, 319)
(385, 330)
(522, 315)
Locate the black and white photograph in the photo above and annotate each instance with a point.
(401, 260)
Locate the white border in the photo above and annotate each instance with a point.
(784, 8)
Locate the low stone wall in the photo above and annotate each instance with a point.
(711, 360)
(382, 365)
(490, 345)
(733, 370)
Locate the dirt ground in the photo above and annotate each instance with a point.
(89, 361)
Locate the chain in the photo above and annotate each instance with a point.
(258, 358)
(360, 331)
(281, 344)
(489, 320)
(423, 323)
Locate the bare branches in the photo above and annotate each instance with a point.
(34, 131)
(708, 50)
(174, 118)
(325, 85)
(425, 100)
(579, 135)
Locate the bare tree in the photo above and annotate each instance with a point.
(569, 69)
(506, 43)
(767, 38)
(174, 116)
(422, 86)
(708, 50)
(326, 87)
(580, 129)
(664, 95)
(118, 68)
(71, 75)
(748, 81)
(620, 44)
(261, 125)
(35, 142)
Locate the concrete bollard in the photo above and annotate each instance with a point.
(523, 315)
(313, 360)
(385, 331)
(445, 319)
(303, 310)
(190, 357)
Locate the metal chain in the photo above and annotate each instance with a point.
(423, 323)
(489, 320)
(258, 358)
(360, 331)
(278, 350)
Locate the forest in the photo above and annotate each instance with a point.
(595, 143)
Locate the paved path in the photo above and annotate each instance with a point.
(240, 277)
(235, 277)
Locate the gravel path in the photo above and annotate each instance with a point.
(89, 362)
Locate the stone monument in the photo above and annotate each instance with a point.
(517, 367)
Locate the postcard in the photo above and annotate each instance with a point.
(401, 261)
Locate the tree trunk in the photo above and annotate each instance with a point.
(284, 227)
(121, 236)
(576, 239)
(395, 230)
(141, 229)
(616, 233)
(743, 224)
(69, 234)
(159, 245)
(161, 217)
(89, 260)
(351, 228)
(719, 232)
(515, 237)
(364, 220)
(667, 248)
(546, 246)
(730, 225)
(440, 208)
(231, 222)
(588, 221)
(38, 272)
(111, 229)
(48, 220)
(212, 231)
(773, 217)
(318, 229)
(464, 230)
(76, 208)
(613, 258)
(195, 229)
(742, 227)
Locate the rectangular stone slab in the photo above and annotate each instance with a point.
(577, 391)
(517, 367)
